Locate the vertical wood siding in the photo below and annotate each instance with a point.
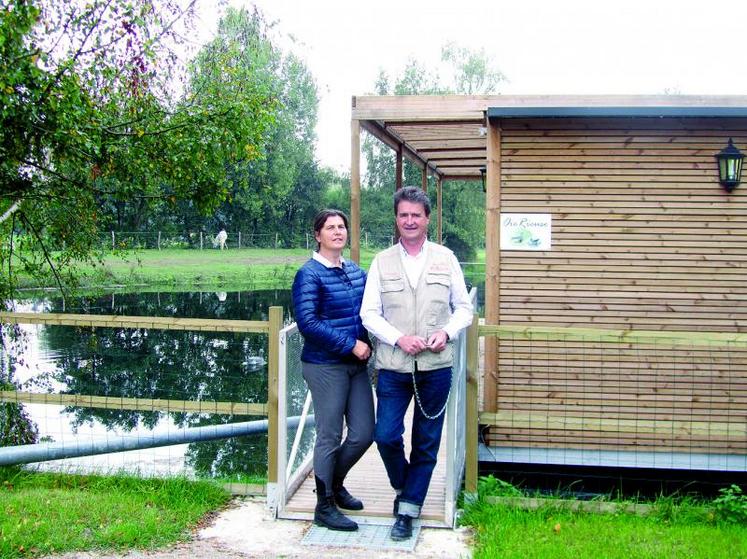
(645, 238)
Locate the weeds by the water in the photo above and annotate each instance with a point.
(43, 513)
(668, 527)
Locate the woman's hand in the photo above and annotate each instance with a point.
(361, 350)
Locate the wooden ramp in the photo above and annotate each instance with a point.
(368, 481)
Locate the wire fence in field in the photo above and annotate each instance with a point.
(161, 240)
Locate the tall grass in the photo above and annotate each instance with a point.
(44, 513)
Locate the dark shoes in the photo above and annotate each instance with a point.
(402, 529)
(345, 500)
(395, 507)
(326, 514)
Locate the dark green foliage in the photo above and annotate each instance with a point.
(731, 505)
(463, 250)
(16, 428)
(103, 126)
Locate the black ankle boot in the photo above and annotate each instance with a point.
(326, 513)
(343, 498)
(402, 529)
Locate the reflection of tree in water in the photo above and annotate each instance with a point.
(227, 457)
(247, 305)
(175, 365)
(16, 427)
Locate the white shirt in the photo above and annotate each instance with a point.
(372, 313)
(324, 262)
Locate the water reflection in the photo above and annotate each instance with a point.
(159, 364)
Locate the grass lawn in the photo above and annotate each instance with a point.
(235, 269)
(245, 269)
(554, 532)
(50, 513)
(670, 527)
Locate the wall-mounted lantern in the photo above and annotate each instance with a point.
(483, 172)
(729, 166)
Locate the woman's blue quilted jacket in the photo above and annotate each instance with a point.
(327, 304)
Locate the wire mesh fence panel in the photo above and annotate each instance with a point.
(300, 439)
(676, 400)
(456, 418)
(107, 386)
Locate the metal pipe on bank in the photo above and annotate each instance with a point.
(42, 452)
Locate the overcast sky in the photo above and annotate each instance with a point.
(542, 46)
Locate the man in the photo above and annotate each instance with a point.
(415, 303)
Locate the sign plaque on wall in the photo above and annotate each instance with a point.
(526, 231)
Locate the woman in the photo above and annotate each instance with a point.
(327, 293)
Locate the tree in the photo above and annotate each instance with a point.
(100, 117)
(276, 191)
(472, 72)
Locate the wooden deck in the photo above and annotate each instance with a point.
(368, 481)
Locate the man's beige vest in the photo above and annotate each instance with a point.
(420, 311)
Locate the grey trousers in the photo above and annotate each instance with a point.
(339, 392)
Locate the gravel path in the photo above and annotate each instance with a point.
(246, 529)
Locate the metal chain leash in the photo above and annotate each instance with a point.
(417, 396)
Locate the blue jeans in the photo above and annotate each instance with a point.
(394, 391)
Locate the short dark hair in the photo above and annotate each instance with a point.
(321, 218)
(412, 194)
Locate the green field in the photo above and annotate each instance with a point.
(184, 269)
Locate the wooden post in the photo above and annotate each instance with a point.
(492, 262)
(239, 239)
(200, 240)
(159, 240)
(440, 214)
(273, 370)
(470, 433)
(397, 182)
(276, 240)
(355, 190)
(113, 243)
(398, 168)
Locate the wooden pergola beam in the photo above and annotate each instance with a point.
(459, 108)
(392, 140)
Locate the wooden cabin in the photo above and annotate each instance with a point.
(624, 333)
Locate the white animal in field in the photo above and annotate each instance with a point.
(220, 239)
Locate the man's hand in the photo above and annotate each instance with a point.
(437, 341)
(412, 345)
(361, 350)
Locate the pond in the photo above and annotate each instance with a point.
(151, 364)
(135, 363)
